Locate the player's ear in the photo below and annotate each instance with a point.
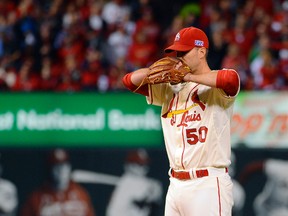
(202, 52)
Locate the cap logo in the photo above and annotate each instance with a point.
(199, 43)
(177, 37)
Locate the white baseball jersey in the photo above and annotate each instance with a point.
(196, 124)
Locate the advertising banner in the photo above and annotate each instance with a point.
(123, 119)
(261, 120)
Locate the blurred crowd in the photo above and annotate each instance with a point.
(88, 45)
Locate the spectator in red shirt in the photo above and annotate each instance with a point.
(27, 79)
(242, 35)
(149, 26)
(91, 69)
(72, 45)
(70, 76)
(235, 60)
(142, 52)
(115, 74)
(269, 72)
(50, 74)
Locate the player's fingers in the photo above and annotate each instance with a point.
(178, 65)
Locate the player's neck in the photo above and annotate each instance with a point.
(202, 69)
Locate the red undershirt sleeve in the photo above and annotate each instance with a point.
(129, 85)
(229, 81)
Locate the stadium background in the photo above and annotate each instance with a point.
(61, 61)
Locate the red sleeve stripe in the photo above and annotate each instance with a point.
(129, 85)
(229, 81)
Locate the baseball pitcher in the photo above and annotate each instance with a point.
(197, 105)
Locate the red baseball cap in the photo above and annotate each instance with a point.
(188, 38)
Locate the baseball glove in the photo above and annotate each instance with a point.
(167, 70)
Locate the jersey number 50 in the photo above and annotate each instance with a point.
(193, 135)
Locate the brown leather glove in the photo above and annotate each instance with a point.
(167, 70)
